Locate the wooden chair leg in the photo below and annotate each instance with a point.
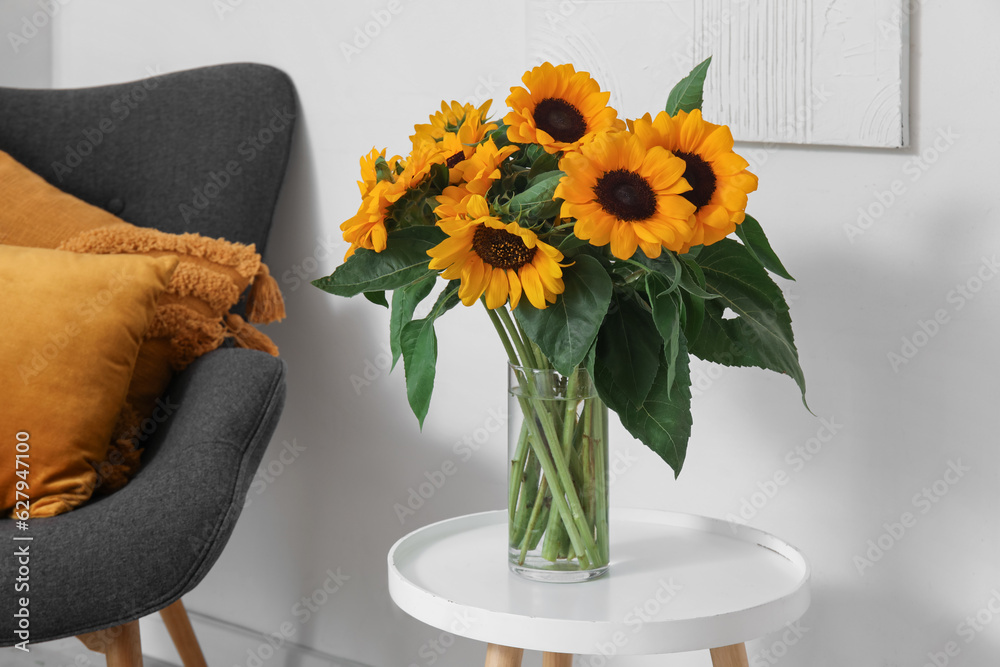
(179, 626)
(503, 656)
(120, 644)
(557, 659)
(734, 655)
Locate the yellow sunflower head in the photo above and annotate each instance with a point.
(561, 109)
(453, 202)
(719, 180)
(496, 259)
(462, 145)
(369, 171)
(482, 167)
(451, 117)
(419, 162)
(366, 229)
(622, 194)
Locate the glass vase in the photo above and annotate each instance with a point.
(558, 477)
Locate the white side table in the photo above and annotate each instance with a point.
(677, 582)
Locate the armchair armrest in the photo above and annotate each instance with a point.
(139, 549)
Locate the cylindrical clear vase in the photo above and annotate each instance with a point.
(558, 478)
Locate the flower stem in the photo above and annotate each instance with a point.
(551, 458)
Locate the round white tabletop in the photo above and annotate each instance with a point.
(677, 582)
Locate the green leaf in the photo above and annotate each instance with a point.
(536, 203)
(662, 421)
(693, 280)
(419, 346)
(628, 346)
(382, 170)
(566, 329)
(571, 243)
(416, 207)
(499, 136)
(752, 235)
(440, 176)
(761, 333)
(377, 297)
(403, 261)
(687, 95)
(667, 318)
(694, 315)
(544, 164)
(404, 302)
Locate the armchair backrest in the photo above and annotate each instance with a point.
(201, 150)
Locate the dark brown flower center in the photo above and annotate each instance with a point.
(560, 119)
(455, 159)
(625, 195)
(700, 176)
(501, 249)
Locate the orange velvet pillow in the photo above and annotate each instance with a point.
(192, 315)
(70, 330)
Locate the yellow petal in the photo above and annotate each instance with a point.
(515, 287)
(623, 241)
(496, 289)
(532, 286)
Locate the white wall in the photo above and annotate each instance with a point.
(855, 300)
(26, 45)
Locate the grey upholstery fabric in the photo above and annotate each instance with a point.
(136, 551)
(169, 135)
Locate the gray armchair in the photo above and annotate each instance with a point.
(149, 152)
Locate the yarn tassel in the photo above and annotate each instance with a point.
(264, 303)
(246, 335)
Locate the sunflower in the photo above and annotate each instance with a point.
(562, 109)
(453, 202)
(482, 167)
(719, 180)
(625, 195)
(451, 117)
(497, 259)
(366, 229)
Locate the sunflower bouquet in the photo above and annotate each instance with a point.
(600, 249)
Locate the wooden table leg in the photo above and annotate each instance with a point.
(503, 656)
(557, 659)
(734, 655)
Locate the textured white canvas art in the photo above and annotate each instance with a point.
(789, 71)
